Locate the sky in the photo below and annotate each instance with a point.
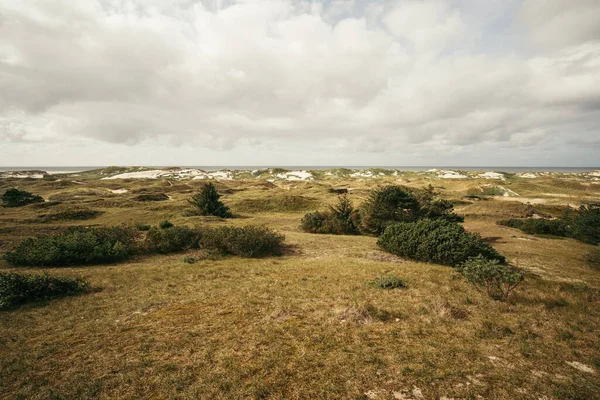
(277, 82)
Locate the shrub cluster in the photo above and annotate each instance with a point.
(435, 240)
(384, 206)
(247, 241)
(19, 198)
(171, 239)
(76, 246)
(206, 202)
(583, 224)
(490, 277)
(17, 289)
(341, 219)
(538, 226)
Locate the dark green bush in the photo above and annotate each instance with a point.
(388, 282)
(386, 206)
(206, 202)
(190, 259)
(151, 197)
(538, 226)
(171, 239)
(76, 246)
(16, 289)
(165, 224)
(144, 227)
(438, 241)
(584, 224)
(19, 198)
(341, 219)
(248, 241)
(490, 277)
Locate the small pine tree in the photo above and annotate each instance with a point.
(206, 202)
(19, 198)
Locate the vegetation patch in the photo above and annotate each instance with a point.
(171, 239)
(76, 246)
(388, 282)
(247, 241)
(206, 202)
(17, 289)
(341, 219)
(279, 203)
(490, 277)
(435, 240)
(18, 198)
(73, 215)
(152, 197)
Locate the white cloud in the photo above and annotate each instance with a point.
(269, 74)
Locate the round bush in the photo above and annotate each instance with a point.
(438, 241)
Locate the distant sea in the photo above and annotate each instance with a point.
(60, 170)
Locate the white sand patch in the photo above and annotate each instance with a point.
(295, 176)
(226, 175)
(118, 191)
(362, 174)
(528, 175)
(150, 174)
(492, 175)
(594, 173)
(451, 175)
(508, 192)
(22, 174)
(581, 366)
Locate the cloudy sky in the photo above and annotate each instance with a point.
(286, 82)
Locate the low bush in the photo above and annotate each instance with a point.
(171, 239)
(144, 227)
(190, 259)
(490, 277)
(73, 215)
(19, 198)
(438, 241)
(248, 241)
(341, 219)
(385, 206)
(16, 289)
(388, 282)
(584, 224)
(151, 197)
(165, 224)
(537, 226)
(75, 246)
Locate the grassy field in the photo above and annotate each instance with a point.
(306, 325)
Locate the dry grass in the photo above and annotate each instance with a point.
(305, 325)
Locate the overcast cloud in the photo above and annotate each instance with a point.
(274, 82)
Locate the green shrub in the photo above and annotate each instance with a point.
(437, 241)
(386, 206)
(248, 241)
(388, 282)
(537, 226)
(190, 259)
(206, 202)
(584, 225)
(19, 198)
(490, 277)
(341, 219)
(144, 227)
(76, 246)
(165, 224)
(171, 239)
(16, 289)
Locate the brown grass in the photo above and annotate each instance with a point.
(306, 325)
